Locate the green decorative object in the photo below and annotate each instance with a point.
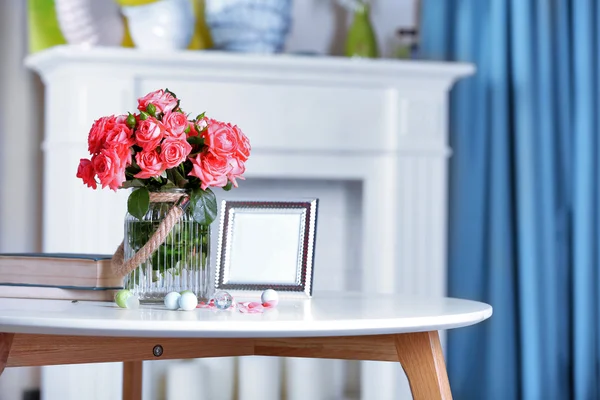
(361, 41)
(121, 297)
(44, 31)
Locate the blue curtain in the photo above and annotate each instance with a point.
(525, 191)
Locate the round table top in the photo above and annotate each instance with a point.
(333, 314)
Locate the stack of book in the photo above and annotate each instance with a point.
(58, 276)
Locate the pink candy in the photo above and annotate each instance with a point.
(210, 304)
(255, 307)
(248, 307)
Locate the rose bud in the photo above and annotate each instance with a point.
(151, 108)
(131, 121)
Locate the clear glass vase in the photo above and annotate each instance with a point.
(180, 263)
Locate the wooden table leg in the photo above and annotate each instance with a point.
(6, 340)
(132, 380)
(423, 361)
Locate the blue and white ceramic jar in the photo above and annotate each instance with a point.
(257, 26)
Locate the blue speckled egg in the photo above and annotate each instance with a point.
(172, 300)
(188, 301)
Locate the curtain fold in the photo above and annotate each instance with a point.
(524, 226)
(585, 199)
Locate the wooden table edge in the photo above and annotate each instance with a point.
(419, 353)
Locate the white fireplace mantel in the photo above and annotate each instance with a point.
(309, 69)
(375, 128)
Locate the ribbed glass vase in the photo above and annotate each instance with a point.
(180, 263)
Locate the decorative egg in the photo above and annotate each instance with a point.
(121, 297)
(132, 302)
(269, 297)
(172, 300)
(188, 301)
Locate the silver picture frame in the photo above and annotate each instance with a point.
(267, 245)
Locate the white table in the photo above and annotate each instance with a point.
(339, 326)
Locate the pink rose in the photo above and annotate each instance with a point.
(109, 168)
(174, 151)
(226, 139)
(192, 131)
(97, 135)
(163, 101)
(243, 148)
(227, 151)
(221, 138)
(175, 122)
(202, 123)
(109, 131)
(119, 134)
(237, 169)
(149, 162)
(86, 172)
(211, 169)
(124, 154)
(149, 133)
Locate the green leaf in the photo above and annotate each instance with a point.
(138, 202)
(132, 183)
(171, 93)
(203, 204)
(194, 153)
(200, 116)
(178, 178)
(168, 185)
(228, 186)
(195, 140)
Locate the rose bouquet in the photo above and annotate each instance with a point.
(160, 149)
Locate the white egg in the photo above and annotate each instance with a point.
(269, 296)
(188, 301)
(132, 302)
(172, 300)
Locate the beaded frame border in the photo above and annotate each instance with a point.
(305, 258)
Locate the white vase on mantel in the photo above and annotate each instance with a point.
(90, 22)
(162, 25)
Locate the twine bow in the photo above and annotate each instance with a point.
(123, 267)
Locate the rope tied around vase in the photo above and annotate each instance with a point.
(181, 201)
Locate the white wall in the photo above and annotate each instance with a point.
(20, 160)
(20, 135)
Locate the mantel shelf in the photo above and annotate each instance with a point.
(272, 66)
